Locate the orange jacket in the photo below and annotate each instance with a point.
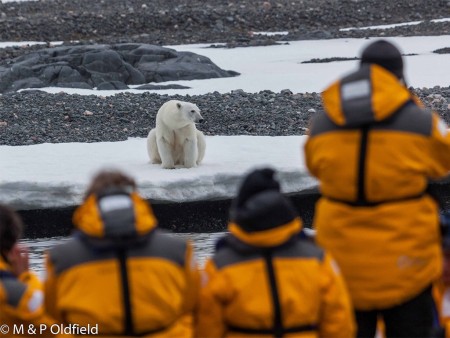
(238, 294)
(374, 150)
(21, 304)
(146, 284)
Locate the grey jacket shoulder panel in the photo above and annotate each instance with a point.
(79, 251)
(296, 248)
(15, 290)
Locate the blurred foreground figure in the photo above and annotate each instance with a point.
(441, 289)
(264, 280)
(374, 150)
(21, 294)
(118, 271)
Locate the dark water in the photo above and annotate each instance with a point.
(203, 244)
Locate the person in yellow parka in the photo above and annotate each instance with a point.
(264, 280)
(21, 291)
(441, 289)
(118, 275)
(374, 150)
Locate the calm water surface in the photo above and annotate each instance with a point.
(203, 244)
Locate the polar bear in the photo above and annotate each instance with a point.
(175, 140)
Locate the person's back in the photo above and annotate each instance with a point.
(374, 150)
(119, 272)
(264, 280)
(21, 292)
(441, 288)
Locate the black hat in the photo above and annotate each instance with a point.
(260, 204)
(384, 54)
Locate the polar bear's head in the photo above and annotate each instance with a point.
(176, 114)
(189, 111)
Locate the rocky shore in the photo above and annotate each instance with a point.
(162, 22)
(32, 117)
(193, 21)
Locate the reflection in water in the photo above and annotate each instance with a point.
(203, 243)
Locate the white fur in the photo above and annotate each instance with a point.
(175, 140)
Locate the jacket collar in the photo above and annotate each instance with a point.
(267, 238)
(90, 218)
(368, 95)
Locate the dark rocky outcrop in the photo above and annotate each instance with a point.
(158, 87)
(201, 216)
(105, 67)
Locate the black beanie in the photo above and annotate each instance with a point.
(384, 54)
(260, 204)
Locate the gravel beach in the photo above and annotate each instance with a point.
(33, 117)
(194, 21)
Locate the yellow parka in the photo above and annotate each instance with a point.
(241, 289)
(21, 304)
(119, 272)
(374, 151)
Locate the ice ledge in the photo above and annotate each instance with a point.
(55, 175)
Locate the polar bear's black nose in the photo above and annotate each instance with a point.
(201, 120)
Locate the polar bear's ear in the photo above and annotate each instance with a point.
(178, 104)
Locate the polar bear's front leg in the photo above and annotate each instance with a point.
(152, 147)
(201, 146)
(165, 152)
(190, 151)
